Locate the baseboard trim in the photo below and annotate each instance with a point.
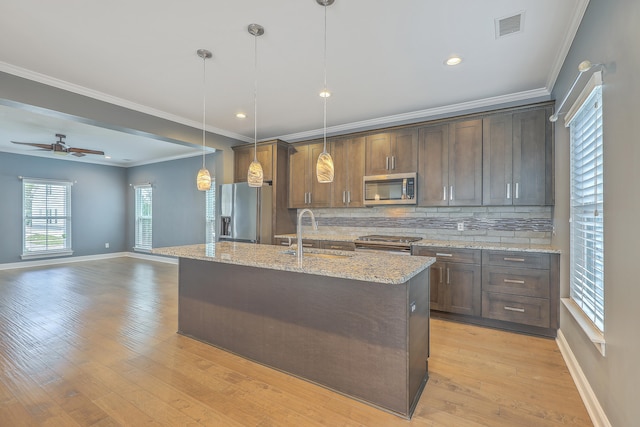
(67, 260)
(597, 414)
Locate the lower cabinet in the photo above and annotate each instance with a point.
(455, 279)
(336, 245)
(512, 290)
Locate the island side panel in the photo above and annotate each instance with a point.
(348, 335)
(418, 335)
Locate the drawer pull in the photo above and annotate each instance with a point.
(340, 247)
(514, 259)
(447, 255)
(519, 282)
(519, 310)
(307, 245)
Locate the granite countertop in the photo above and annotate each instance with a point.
(458, 244)
(369, 267)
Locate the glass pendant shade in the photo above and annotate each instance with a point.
(203, 181)
(255, 176)
(324, 168)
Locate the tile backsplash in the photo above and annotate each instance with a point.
(508, 224)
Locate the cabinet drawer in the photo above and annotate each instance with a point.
(515, 308)
(516, 259)
(306, 243)
(338, 245)
(464, 256)
(516, 281)
(283, 242)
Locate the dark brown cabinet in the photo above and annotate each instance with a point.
(518, 158)
(348, 159)
(304, 189)
(243, 156)
(336, 245)
(521, 287)
(455, 281)
(392, 152)
(450, 164)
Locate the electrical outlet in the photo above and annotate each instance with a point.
(461, 226)
(106, 245)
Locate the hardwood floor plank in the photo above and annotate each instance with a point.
(95, 344)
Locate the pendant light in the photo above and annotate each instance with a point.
(255, 175)
(324, 167)
(203, 181)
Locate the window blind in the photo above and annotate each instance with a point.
(144, 222)
(210, 213)
(46, 217)
(587, 208)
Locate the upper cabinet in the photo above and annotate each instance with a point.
(392, 152)
(450, 164)
(304, 189)
(518, 158)
(243, 156)
(348, 159)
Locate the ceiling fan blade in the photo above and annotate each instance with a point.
(78, 154)
(33, 144)
(85, 151)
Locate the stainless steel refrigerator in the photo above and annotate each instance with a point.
(245, 213)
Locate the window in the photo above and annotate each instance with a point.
(587, 204)
(144, 221)
(210, 213)
(46, 213)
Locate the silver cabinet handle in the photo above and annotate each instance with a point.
(448, 277)
(335, 247)
(307, 245)
(451, 193)
(387, 166)
(508, 190)
(444, 193)
(517, 190)
(305, 197)
(344, 197)
(443, 254)
(348, 197)
(514, 259)
(441, 275)
(393, 162)
(310, 194)
(519, 282)
(519, 310)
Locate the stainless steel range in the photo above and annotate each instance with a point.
(392, 244)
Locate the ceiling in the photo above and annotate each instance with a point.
(385, 64)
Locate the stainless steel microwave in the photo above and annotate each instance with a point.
(393, 189)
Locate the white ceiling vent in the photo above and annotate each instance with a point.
(509, 25)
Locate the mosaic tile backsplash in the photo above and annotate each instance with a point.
(509, 224)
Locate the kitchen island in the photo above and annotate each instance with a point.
(356, 323)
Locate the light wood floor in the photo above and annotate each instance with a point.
(94, 344)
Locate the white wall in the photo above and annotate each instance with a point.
(609, 33)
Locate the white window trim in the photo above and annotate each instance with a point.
(593, 333)
(48, 253)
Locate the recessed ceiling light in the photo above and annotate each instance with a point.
(454, 60)
(107, 157)
(241, 115)
(325, 93)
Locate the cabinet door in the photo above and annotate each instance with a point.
(436, 286)
(463, 288)
(242, 157)
(298, 161)
(355, 166)
(264, 154)
(433, 166)
(378, 156)
(465, 163)
(532, 158)
(497, 164)
(404, 151)
(339, 188)
(320, 193)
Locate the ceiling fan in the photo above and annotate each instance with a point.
(60, 147)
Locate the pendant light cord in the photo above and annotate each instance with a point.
(255, 98)
(204, 105)
(325, 81)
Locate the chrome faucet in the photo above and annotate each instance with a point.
(299, 231)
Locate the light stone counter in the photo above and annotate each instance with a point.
(438, 243)
(368, 267)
